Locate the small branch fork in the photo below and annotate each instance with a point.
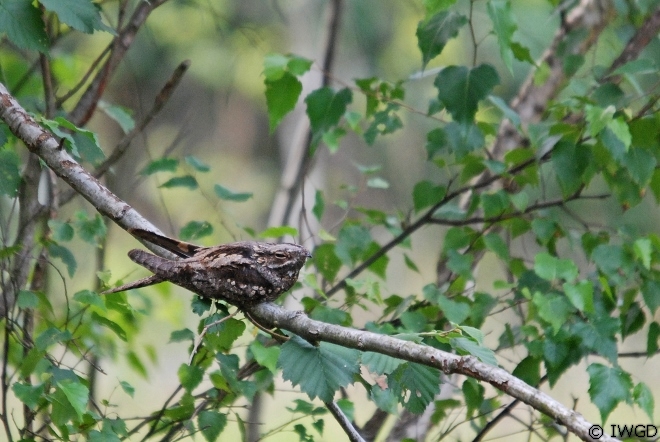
(198, 340)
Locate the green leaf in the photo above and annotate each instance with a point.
(190, 376)
(27, 299)
(22, 24)
(128, 388)
(608, 386)
(553, 309)
(352, 243)
(598, 118)
(265, 356)
(463, 138)
(90, 298)
(620, 129)
(460, 89)
(200, 305)
(211, 424)
(432, 7)
(522, 53)
(319, 205)
(61, 412)
(494, 242)
(57, 251)
(506, 110)
(120, 114)
(324, 108)
(434, 33)
(460, 263)
(426, 194)
(10, 173)
(379, 363)
(504, 26)
(30, 395)
(330, 315)
(90, 230)
(116, 328)
(320, 371)
(643, 248)
(384, 122)
(77, 395)
(136, 364)
(570, 161)
(581, 295)
(226, 332)
(651, 294)
(276, 65)
(187, 181)
(640, 164)
(61, 231)
(228, 195)
(638, 66)
(529, 370)
(196, 163)
(326, 261)
(494, 204)
(599, 336)
(184, 334)
(81, 15)
(474, 394)
(281, 97)
(436, 140)
(551, 268)
(195, 230)
(160, 165)
(84, 141)
(413, 321)
(418, 383)
(410, 263)
(456, 312)
(51, 336)
(366, 287)
(469, 346)
(348, 408)
(276, 232)
(610, 258)
(643, 397)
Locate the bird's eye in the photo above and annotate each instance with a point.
(280, 255)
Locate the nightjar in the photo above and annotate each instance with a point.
(242, 273)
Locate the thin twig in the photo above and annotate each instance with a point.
(121, 148)
(299, 158)
(344, 422)
(198, 340)
(86, 106)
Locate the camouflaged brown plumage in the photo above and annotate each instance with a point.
(242, 273)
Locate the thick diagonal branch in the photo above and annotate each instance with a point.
(448, 363)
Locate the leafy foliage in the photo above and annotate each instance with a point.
(441, 174)
(320, 371)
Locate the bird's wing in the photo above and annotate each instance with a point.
(179, 248)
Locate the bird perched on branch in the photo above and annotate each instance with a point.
(242, 273)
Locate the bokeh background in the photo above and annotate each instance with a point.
(218, 114)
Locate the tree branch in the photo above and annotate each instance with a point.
(343, 421)
(42, 143)
(448, 363)
(120, 44)
(121, 148)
